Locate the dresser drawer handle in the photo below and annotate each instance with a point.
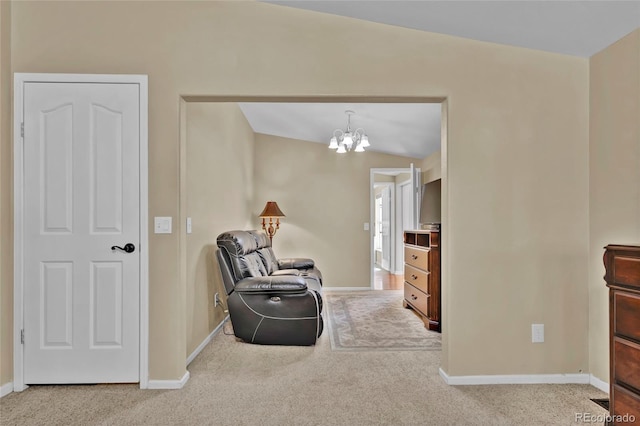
(415, 277)
(414, 257)
(414, 297)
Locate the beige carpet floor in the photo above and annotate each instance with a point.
(234, 383)
(375, 321)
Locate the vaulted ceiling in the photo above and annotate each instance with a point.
(577, 28)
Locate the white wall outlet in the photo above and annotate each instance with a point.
(366, 226)
(162, 224)
(537, 333)
(188, 225)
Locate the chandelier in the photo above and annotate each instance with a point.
(344, 141)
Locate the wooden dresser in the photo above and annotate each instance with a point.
(422, 275)
(622, 264)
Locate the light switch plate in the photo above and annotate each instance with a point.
(537, 333)
(188, 225)
(366, 226)
(162, 224)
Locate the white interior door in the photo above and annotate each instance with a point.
(386, 228)
(407, 212)
(81, 196)
(415, 196)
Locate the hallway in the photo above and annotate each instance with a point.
(384, 280)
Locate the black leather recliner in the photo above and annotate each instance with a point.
(271, 301)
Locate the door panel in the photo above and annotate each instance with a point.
(55, 159)
(106, 304)
(81, 197)
(106, 170)
(55, 290)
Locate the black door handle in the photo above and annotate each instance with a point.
(128, 248)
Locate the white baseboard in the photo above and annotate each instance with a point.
(597, 383)
(345, 288)
(169, 384)
(6, 389)
(206, 341)
(398, 273)
(512, 379)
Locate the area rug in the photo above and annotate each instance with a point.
(376, 321)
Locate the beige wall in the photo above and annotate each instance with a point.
(377, 177)
(403, 177)
(219, 194)
(431, 167)
(6, 205)
(614, 176)
(517, 239)
(325, 198)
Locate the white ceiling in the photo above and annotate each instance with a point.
(577, 28)
(406, 129)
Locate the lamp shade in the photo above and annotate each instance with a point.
(271, 210)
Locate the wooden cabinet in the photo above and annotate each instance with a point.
(622, 264)
(422, 275)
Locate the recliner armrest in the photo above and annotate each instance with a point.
(296, 263)
(281, 272)
(285, 284)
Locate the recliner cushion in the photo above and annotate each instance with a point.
(237, 243)
(262, 239)
(268, 259)
(241, 247)
(249, 265)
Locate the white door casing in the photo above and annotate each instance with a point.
(80, 190)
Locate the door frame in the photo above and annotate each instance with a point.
(18, 199)
(372, 203)
(392, 213)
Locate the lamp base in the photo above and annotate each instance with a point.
(271, 229)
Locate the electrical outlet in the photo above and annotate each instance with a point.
(537, 333)
(216, 300)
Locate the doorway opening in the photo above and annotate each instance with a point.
(394, 209)
(328, 236)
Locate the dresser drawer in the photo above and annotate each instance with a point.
(626, 271)
(417, 257)
(625, 404)
(416, 277)
(626, 364)
(418, 299)
(626, 308)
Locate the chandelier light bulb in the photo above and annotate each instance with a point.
(348, 140)
(364, 141)
(333, 144)
(341, 149)
(359, 148)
